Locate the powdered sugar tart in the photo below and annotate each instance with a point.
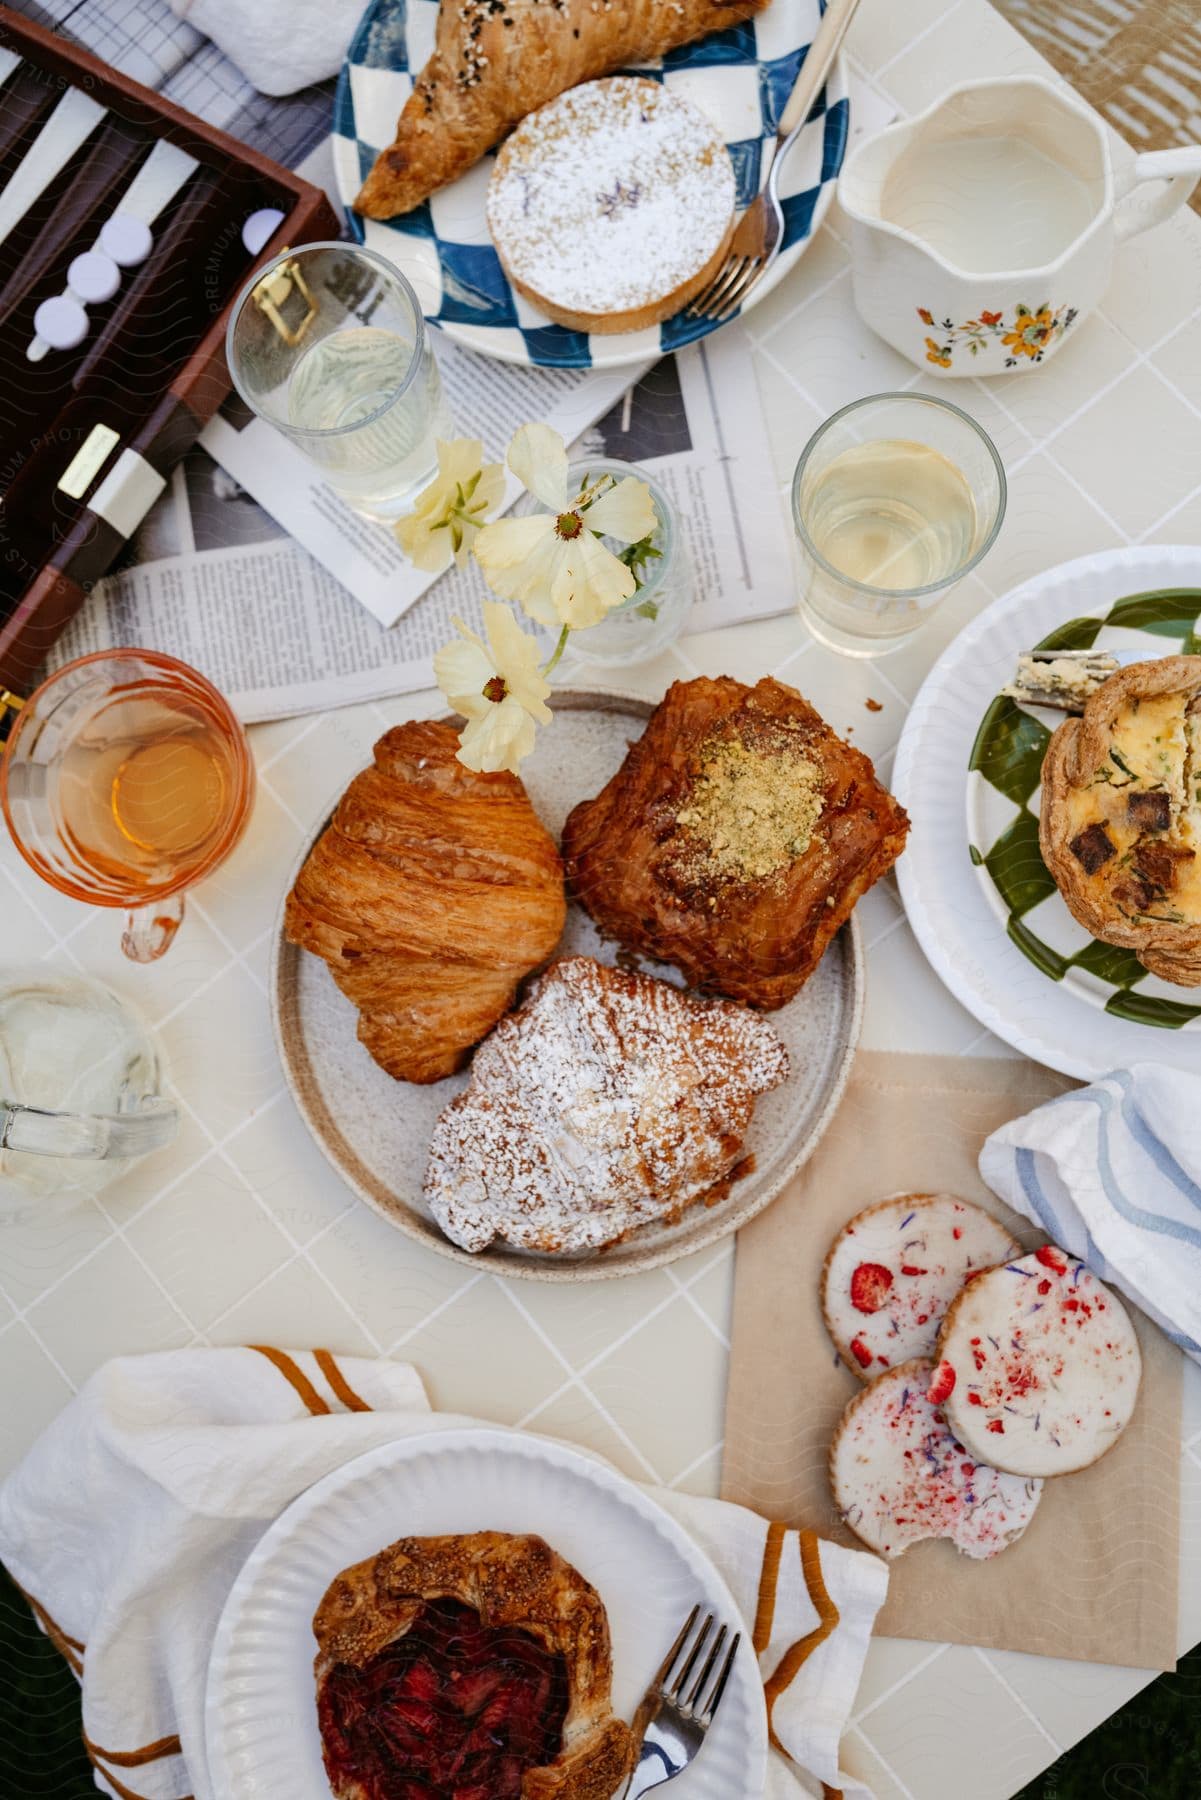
(613, 206)
(899, 1475)
(894, 1269)
(377, 1132)
(1040, 1365)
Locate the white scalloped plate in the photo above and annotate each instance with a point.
(260, 1712)
(952, 915)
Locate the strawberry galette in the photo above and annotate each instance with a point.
(467, 1668)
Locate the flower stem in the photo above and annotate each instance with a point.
(558, 649)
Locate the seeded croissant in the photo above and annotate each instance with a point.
(497, 60)
(433, 892)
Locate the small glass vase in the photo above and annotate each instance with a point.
(654, 615)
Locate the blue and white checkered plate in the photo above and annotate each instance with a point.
(740, 78)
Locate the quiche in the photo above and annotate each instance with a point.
(1120, 823)
(474, 1667)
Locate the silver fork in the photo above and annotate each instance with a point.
(756, 240)
(677, 1711)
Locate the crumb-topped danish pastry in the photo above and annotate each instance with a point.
(1120, 825)
(476, 1666)
(735, 838)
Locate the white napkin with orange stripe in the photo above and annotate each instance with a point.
(128, 1521)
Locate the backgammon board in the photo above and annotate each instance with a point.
(127, 227)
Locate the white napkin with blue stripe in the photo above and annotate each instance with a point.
(1112, 1172)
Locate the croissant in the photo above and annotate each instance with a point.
(431, 894)
(495, 61)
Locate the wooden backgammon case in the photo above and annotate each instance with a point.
(101, 178)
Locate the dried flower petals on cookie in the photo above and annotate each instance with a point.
(895, 1268)
(898, 1473)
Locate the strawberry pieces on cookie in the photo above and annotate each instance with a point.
(898, 1473)
(871, 1284)
(895, 1268)
(1045, 1362)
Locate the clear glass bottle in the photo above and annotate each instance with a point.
(80, 1091)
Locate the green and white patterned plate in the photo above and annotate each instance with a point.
(1003, 805)
(981, 902)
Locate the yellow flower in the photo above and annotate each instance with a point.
(1031, 332)
(936, 355)
(551, 563)
(498, 688)
(452, 509)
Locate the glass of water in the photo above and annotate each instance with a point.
(327, 343)
(894, 499)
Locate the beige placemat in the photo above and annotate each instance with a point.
(1095, 1576)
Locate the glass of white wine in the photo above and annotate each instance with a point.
(328, 345)
(894, 499)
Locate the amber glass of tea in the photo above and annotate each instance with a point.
(126, 779)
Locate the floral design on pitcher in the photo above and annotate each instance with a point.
(1032, 331)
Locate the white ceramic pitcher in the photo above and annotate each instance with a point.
(985, 227)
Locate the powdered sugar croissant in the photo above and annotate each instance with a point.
(495, 61)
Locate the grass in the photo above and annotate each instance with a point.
(1151, 1750)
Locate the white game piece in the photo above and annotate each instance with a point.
(61, 322)
(127, 239)
(93, 277)
(260, 227)
(162, 175)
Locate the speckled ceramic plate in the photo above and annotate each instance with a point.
(376, 1131)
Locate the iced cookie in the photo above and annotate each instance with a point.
(894, 1269)
(1040, 1364)
(898, 1475)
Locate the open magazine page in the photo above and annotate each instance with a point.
(214, 579)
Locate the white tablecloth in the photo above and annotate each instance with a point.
(242, 1234)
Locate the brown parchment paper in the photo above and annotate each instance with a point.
(1095, 1576)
